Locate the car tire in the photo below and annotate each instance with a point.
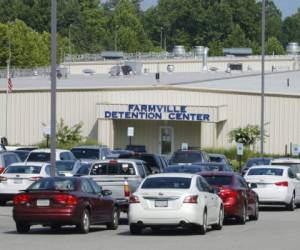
(114, 223)
(135, 229)
(219, 225)
(256, 212)
(243, 217)
(84, 225)
(292, 205)
(203, 228)
(22, 227)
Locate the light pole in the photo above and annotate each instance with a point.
(53, 88)
(161, 37)
(263, 35)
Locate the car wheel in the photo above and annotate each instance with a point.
(256, 212)
(22, 227)
(292, 205)
(135, 229)
(219, 225)
(84, 225)
(203, 228)
(114, 223)
(243, 217)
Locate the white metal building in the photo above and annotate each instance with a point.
(196, 108)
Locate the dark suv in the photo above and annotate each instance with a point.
(188, 156)
(91, 152)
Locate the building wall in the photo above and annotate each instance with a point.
(29, 110)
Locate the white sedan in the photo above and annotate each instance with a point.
(19, 176)
(175, 200)
(275, 185)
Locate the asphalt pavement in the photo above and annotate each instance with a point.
(276, 229)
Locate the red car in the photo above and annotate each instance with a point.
(239, 200)
(59, 201)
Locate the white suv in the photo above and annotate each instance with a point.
(43, 155)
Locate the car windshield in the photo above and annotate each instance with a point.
(265, 171)
(85, 153)
(113, 169)
(53, 184)
(39, 156)
(65, 166)
(218, 180)
(186, 157)
(216, 159)
(167, 182)
(23, 169)
(183, 169)
(257, 162)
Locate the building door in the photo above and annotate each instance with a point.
(166, 140)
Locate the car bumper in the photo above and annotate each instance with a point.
(231, 210)
(187, 214)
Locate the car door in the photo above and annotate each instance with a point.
(209, 200)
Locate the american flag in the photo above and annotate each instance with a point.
(9, 84)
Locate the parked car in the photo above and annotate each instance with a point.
(188, 156)
(19, 176)
(121, 176)
(7, 158)
(91, 152)
(275, 185)
(219, 158)
(58, 201)
(23, 154)
(43, 155)
(179, 200)
(67, 168)
(29, 148)
(188, 168)
(255, 162)
(239, 200)
(293, 163)
(214, 166)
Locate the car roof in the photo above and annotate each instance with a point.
(259, 158)
(89, 147)
(7, 152)
(211, 163)
(286, 160)
(29, 163)
(218, 173)
(270, 166)
(183, 175)
(217, 155)
(185, 166)
(47, 150)
(120, 160)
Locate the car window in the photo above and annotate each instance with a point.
(199, 185)
(39, 156)
(85, 153)
(113, 169)
(23, 170)
(48, 170)
(54, 184)
(167, 183)
(65, 166)
(186, 157)
(86, 186)
(265, 171)
(240, 182)
(97, 189)
(141, 169)
(9, 159)
(291, 173)
(218, 180)
(205, 186)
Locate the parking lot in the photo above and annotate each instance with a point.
(275, 229)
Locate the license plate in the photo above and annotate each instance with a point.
(17, 181)
(159, 203)
(43, 203)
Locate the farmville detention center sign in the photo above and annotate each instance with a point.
(162, 112)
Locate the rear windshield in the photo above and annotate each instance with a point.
(113, 169)
(22, 154)
(54, 184)
(167, 182)
(257, 162)
(39, 156)
(218, 180)
(265, 171)
(216, 159)
(65, 166)
(289, 164)
(186, 157)
(180, 169)
(84, 153)
(23, 170)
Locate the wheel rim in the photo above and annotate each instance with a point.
(256, 209)
(205, 221)
(293, 202)
(86, 221)
(115, 218)
(244, 213)
(221, 217)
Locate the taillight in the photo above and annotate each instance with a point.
(2, 169)
(228, 195)
(282, 184)
(2, 178)
(20, 199)
(191, 199)
(35, 178)
(127, 191)
(65, 199)
(134, 199)
(113, 162)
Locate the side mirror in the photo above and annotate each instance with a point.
(106, 192)
(252, 185)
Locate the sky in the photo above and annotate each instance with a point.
(287, 7)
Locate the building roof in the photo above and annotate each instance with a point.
(275, 83)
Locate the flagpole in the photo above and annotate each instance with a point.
(7, 79)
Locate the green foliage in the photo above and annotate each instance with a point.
(273, 46)
(66, 134)
(248, 135)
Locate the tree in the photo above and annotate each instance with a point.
(291, 27)
(236, 38)
(68, 135)
(274, 47)
(248, 135)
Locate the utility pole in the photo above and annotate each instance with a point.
(263, 35)
(53, 88)
(7, 79)
(161, 37)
